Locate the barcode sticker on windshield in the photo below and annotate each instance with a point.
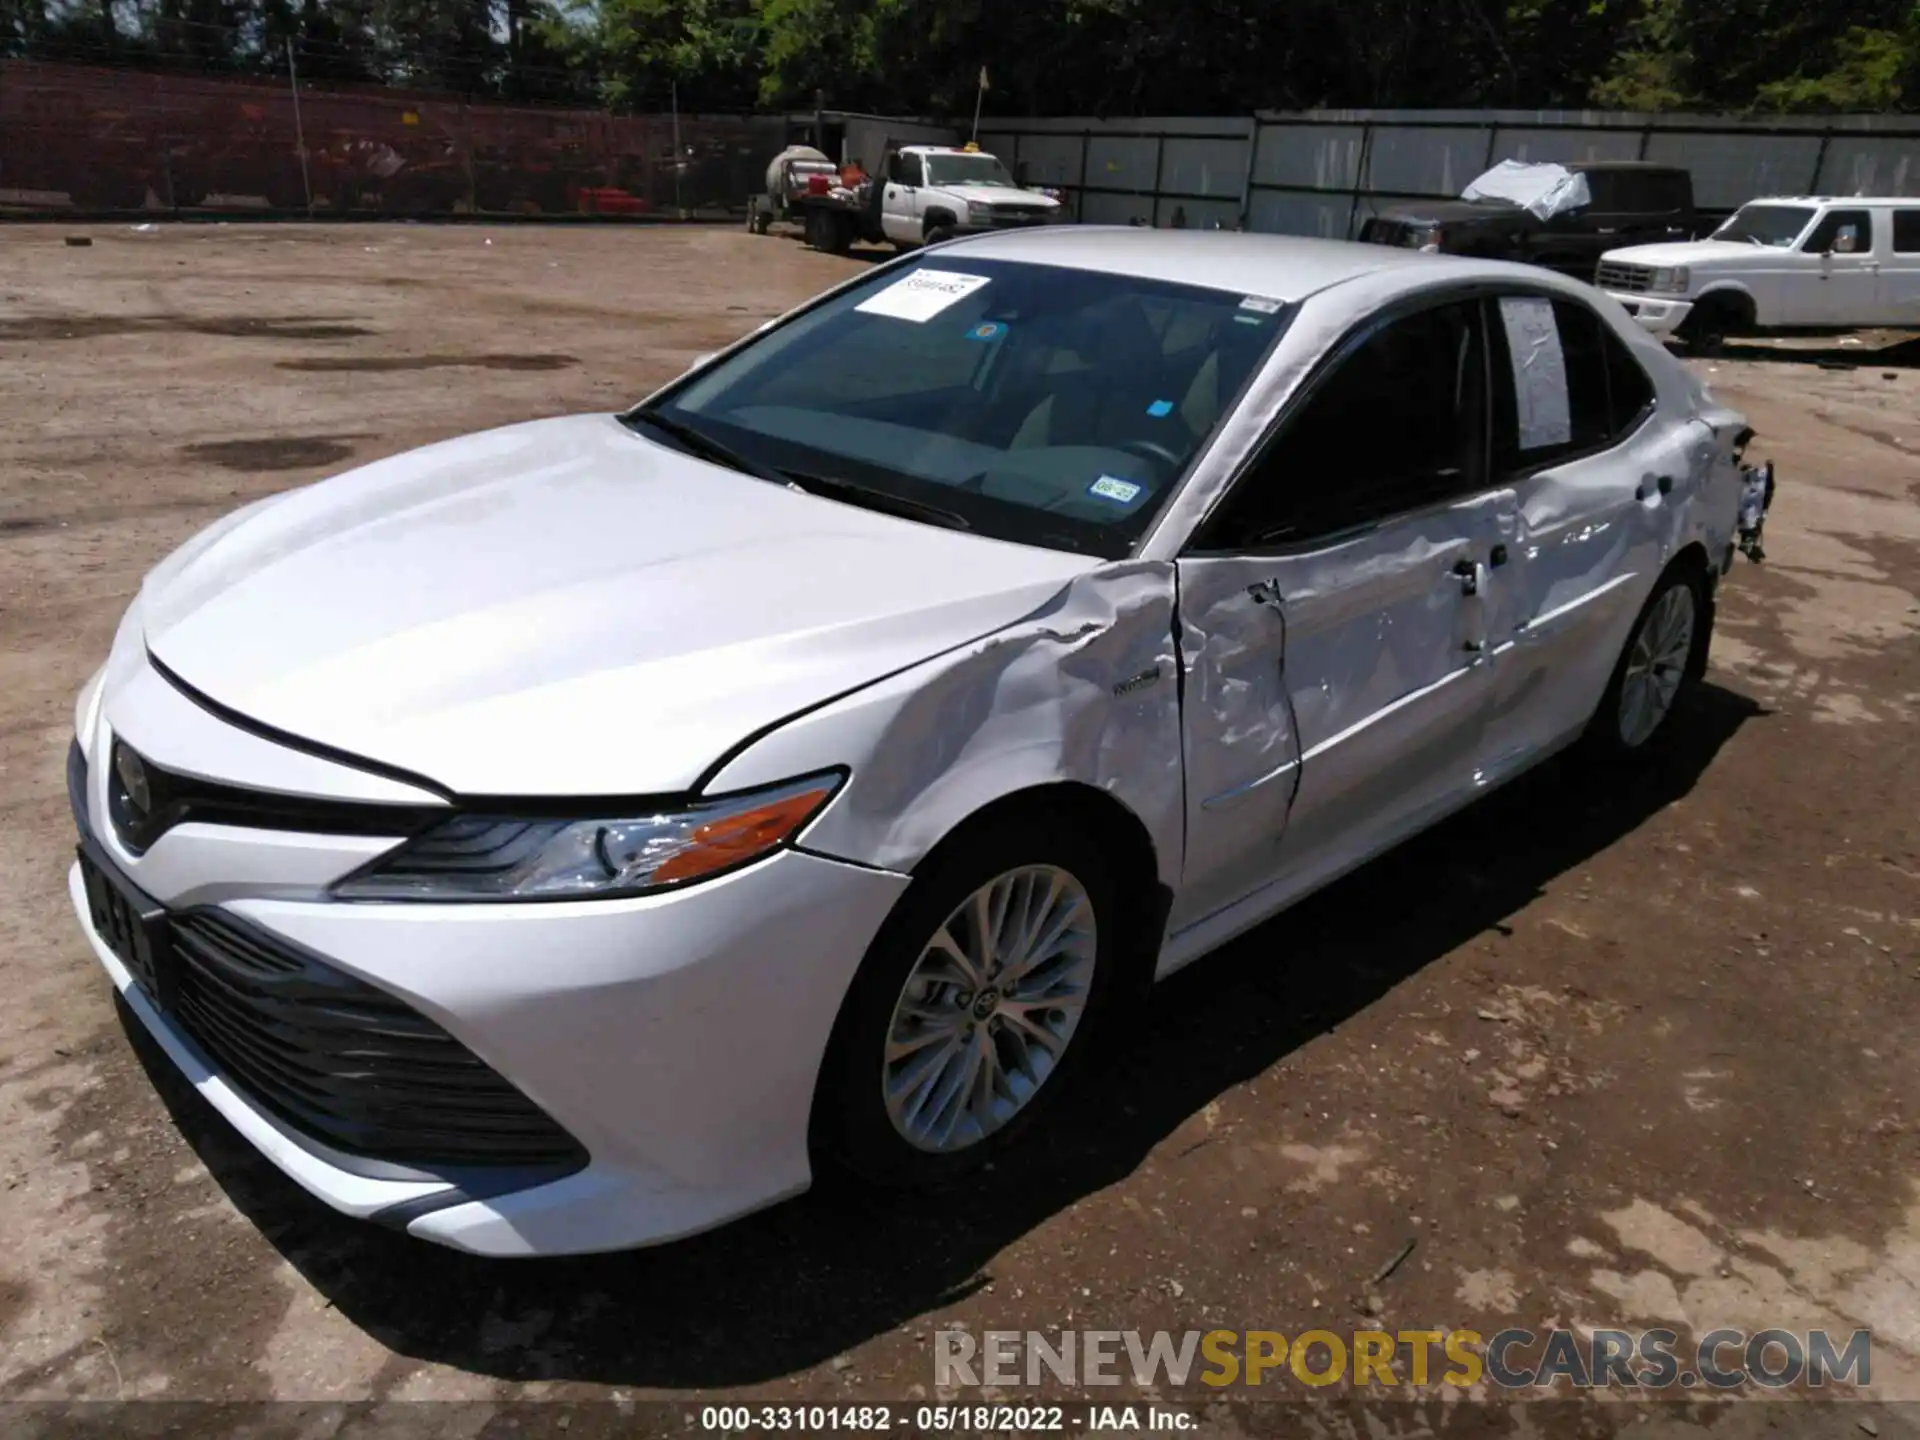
(922, 295)
(1261, 304)
(1108, 488)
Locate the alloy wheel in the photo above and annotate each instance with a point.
(989, 1008)
(1656, 665)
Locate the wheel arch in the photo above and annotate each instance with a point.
(1733, 296)
(938, 215)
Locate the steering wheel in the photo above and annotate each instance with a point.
(1154, 450)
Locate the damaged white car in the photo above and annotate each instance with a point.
(569, 837)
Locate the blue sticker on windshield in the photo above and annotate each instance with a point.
(987, 330)
(1108, 488)
(1160, 409)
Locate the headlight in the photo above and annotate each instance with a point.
(1670, 280)
(979, 210)
(499, 857)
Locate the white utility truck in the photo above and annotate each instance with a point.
(1788, 263)
(924, 194)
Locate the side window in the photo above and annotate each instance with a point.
(1605, 187)
(913, 170)
(1906, 232)
(1842, 232)
(1564, 385)
(1397, 424)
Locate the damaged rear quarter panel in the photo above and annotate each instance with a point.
(1083, 690)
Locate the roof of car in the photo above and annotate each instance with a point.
(1280, 267)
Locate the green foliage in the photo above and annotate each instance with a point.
(1099, 57)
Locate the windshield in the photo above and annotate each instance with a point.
(1774, 225)
(968, 170)
(1031, 403)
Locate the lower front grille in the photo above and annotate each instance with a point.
(1630, 279)
(347, 1064)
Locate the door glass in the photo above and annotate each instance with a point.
(1826, 235)
(1395, 425)
(1906, 232)
(1564, 384)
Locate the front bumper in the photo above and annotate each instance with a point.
(676, 1037)
(1661, 315)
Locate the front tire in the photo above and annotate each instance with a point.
(1664, 658)
(976, 1005)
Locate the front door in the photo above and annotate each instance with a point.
(900, 203)
(1840, 273)
(1333, 620)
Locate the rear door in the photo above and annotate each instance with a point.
(1331, 620)
(1899, 295)
(1596, 470)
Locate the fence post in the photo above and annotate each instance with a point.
(1080, 194)
(1246, 180)
(1159, 159)
(166, 150)
(1820, 159)
(299, 130)
(1361, 174)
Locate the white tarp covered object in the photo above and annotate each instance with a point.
(1545, 190)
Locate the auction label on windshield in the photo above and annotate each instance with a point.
(922, 295)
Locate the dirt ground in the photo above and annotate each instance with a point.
(1610, 1055)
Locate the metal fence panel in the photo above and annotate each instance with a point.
(1100, 208)
(1204, 167)
(1295, 212)
(1408, 160)
(1562, 147)
(1731, 169)
(1051, 159)
(1313, 157)
(1123, 162)
(1862, 165)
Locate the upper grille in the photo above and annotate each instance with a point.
(1631, 279)
(345, 1063)
(175, 798)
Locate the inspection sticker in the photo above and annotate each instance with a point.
(1260, 303)
(1108, 488)
(922, 295)
(1160, 409)
(987, 330)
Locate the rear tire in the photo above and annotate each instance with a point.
(1664, 658)
(946, 1049)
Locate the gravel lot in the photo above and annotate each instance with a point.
(1611, 1056)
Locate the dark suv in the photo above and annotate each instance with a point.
(1633, 203)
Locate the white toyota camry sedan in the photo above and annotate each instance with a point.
(576, 835)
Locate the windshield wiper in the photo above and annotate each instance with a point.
(703, 444)
(891, 504)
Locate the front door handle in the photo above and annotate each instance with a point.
(1468, 574)
(1266, 592)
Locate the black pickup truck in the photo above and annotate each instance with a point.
(1632, 203)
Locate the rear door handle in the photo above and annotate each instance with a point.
(1468, 574)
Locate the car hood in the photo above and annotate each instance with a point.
(1687, 252)
(565, 608)
(999, 195)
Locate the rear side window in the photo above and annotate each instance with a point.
(1906, 232)
(1564, 384)
(1396, 425)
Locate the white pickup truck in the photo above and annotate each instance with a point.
(932, 192)
(1792, 263)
